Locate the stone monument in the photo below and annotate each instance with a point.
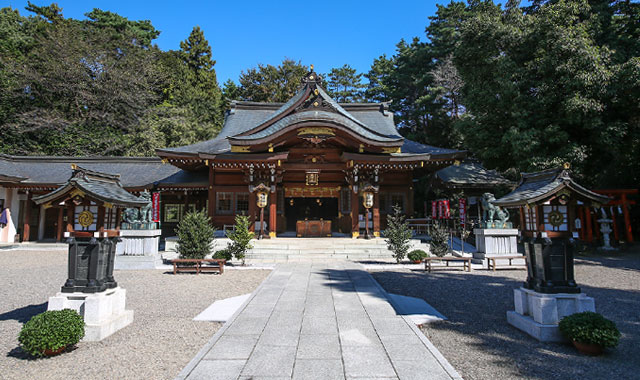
(605, 230)
(140, 238)
(93, 203)
(497, 235)
(547, 202)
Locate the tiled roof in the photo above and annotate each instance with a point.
(471, 174)
(134, 171)
(318, 115)
(537, 187)
(101, 186)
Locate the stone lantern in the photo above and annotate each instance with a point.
(93, 202)
(547, 201)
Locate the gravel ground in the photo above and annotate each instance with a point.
(480, 344)
(162, 339)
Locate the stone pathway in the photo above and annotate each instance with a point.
(318, 321)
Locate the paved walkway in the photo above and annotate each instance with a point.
(318, 321)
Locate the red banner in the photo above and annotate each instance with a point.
(434, 211)
(155, 207)
(447, 209)
(462, 206)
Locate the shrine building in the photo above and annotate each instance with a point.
(315, 158)
(308, 162)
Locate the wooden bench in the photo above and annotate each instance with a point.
(491, 261)
(199, 265)
(466, 262)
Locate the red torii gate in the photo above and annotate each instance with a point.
(619, 199)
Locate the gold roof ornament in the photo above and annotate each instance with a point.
(567, 166)
(311, 67)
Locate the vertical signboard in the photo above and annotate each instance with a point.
(462, 206)
(155, 207)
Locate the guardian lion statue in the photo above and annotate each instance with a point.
(493, 210)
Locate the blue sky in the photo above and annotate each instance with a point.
(244, 33)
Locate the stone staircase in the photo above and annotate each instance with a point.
(324, 248)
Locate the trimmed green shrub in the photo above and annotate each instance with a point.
(223, 254)
(439, 239)
(397, 234)
(195, 235)
(51, 330)
(417, 255)
(590, 328)
(240, 238)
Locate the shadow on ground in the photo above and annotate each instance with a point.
(480, 344)
(23, 314)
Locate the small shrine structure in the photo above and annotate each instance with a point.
(547, 201)
(93, 202)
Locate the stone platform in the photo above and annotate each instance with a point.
(493, 242)
(538, 314)
(104, 313)
(138, 250)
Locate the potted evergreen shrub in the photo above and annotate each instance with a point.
(590, 332)
(51, 332)
(397, 234)
(240, 238)
(195, 235)
(417, 255)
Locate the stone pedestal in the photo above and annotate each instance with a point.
(495, 242)
(138, 249)
(104, 312)
(538, 314)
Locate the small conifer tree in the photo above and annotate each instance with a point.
(398, 234)
(240, 238)
(439, 239)
(195, 235)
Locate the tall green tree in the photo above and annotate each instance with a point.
(344, 84)
(268, 83)
(545, 87)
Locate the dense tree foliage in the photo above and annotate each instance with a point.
(522, 87)
(268, 83)
(344, 84)
(99, 86)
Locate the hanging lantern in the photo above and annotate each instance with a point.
(262, 196)
(367, 199)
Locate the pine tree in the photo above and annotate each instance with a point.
(240, 238)
(345, 85)
(195, 235)
(439, 245)
(398, 234)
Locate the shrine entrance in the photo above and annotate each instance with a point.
(311, 216)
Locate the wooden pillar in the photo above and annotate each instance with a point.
(627, 219)
(616, 235)
(409, 210)
(523, 224)
(211, 209)
(26, 228)
(118, 218)
(273, 204)
(376, 214)
(59, 226)
(581, 232)
(596, 225)
(253, 207)
(588, 227)
(70, 215)
(355, 223)
(100, 221)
